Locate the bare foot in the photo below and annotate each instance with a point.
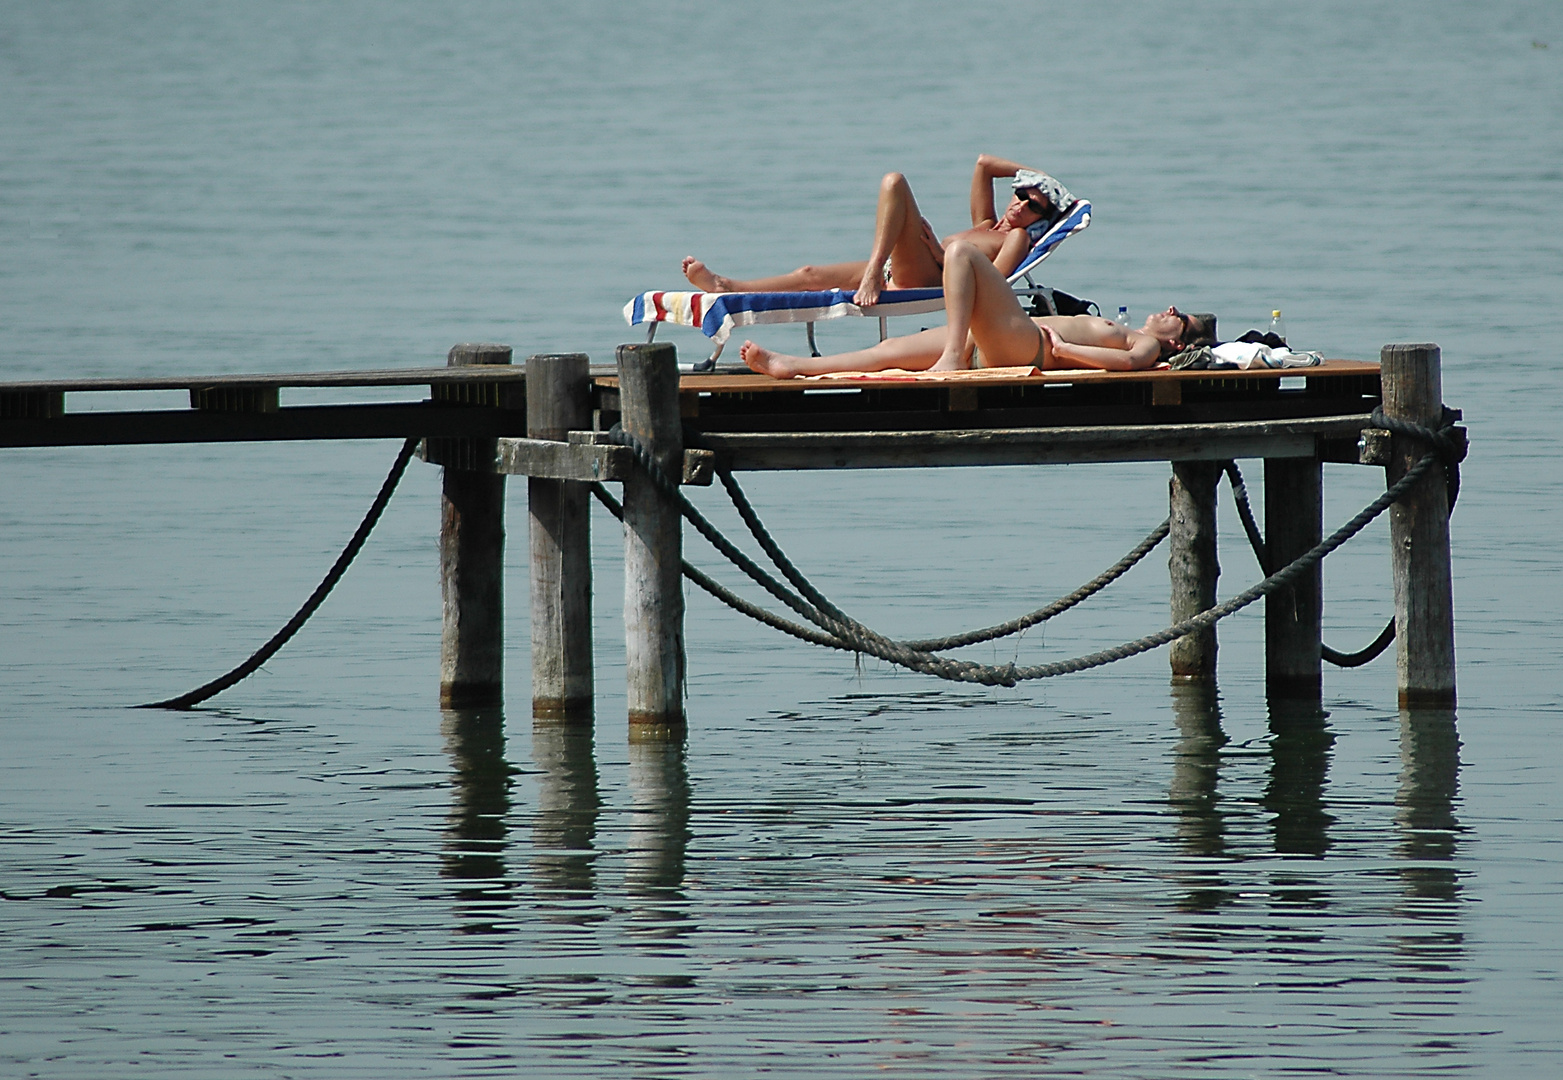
(776, 365)
(702, 278)
(869, 288)
(948, 362)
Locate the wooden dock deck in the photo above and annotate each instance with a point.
(762, 423)
(565, 424)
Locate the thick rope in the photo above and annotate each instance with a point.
(1279, 580)
(971, 637)
(855, 634)
(1451, 453)
(867, 641)
(727, 596)
(815, 637)
(316, 598)
(1057, 607)
(1256, 541)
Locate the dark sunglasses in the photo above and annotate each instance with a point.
(1036, 207)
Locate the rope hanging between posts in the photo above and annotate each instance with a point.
(316, 598)
(1449, 450)
(817, 637)
(846, 632)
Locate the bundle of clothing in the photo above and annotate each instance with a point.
(1252, 350)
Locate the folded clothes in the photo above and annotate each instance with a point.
(1253, 354)
(1241, 355)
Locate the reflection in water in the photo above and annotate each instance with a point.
(565, 825)
(1429, 782)
(659, 825)
(1300, 743)
(480, 799)
(1193, 793)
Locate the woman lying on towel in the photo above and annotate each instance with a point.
(906, 253)
(986, 327)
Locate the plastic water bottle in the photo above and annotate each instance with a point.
(1277, 325)
(1123, 316)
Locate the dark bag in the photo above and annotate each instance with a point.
(1046, 301)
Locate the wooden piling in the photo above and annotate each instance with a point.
(1419, 534)
(558, 400)
(1193, 565)
(653, 546)
(472, 557)
(1294, 524)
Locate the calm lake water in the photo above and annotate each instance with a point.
(846, 870)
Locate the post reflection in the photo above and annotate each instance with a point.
(659, 826)
(1429, 834)
(1194, 790)
(1300, 745)
(564, 829)
(480, 800)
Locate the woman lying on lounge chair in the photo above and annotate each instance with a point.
(986, 327)
(906, 253)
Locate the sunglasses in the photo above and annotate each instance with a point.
(1035, 207)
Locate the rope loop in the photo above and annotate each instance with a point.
(842, 631)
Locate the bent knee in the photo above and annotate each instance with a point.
(962, 249)
(893, 180)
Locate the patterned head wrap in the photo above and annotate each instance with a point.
(1051, 189)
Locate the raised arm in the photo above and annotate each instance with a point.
(1016, 247)
(988, 169)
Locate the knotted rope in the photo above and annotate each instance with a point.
(842, 631)
(1450, 451)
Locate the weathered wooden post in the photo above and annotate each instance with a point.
(1294, 524)
(653, 546)
(1192, 499)
(472, 558)
(1419, 533)
(558, 400)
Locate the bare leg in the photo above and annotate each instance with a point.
(803, 279)
(915, 352)
(902, 238)
(979, 302)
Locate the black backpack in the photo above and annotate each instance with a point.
(1046, 301)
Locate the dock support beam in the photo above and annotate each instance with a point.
(472, 570)
(558, 400)
(1294, 524)
(1419, 534)
(653, 547)
(1192, 498)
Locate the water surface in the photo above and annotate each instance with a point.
(846, 869)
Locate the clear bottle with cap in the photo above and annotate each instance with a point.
(1123, 315)
(1278, 325)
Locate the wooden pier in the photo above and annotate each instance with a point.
(484, 419)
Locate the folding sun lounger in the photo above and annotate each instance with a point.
(716, 314)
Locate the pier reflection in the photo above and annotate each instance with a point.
(659, 827)
(1429, 837)
(564, 829)
(480, 800)
(1194, 791)
(1300, 745)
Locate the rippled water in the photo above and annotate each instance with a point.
(844, 870)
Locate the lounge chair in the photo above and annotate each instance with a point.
(716, 314)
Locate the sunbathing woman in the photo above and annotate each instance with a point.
(906, 254)
(986, 327)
